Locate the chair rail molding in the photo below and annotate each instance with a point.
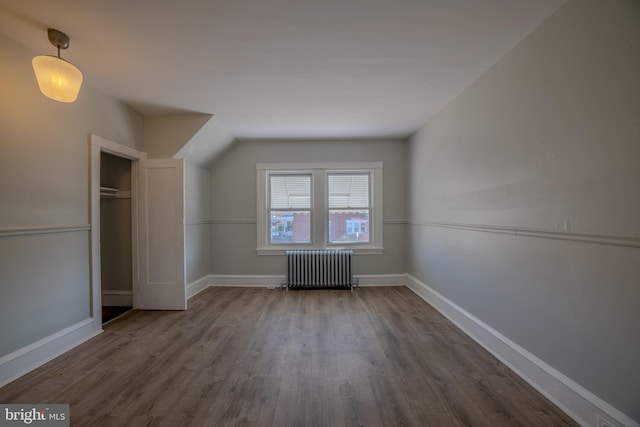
(26, 230)
(599, 238)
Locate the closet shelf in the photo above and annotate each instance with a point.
(114, 193)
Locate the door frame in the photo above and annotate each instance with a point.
(98, 145)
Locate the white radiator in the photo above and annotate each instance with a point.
(320, 269)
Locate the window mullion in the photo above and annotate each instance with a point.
(319, 209)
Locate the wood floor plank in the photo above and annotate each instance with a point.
(258, 357)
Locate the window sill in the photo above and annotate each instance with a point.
(356, 251)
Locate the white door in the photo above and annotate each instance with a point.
(162, 284)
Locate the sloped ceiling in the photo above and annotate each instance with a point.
(282, 68)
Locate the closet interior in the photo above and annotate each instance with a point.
(115, 236)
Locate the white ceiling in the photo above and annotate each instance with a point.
(282, 68)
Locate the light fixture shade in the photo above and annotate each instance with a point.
(57, 78)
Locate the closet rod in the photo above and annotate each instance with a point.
(108, 190)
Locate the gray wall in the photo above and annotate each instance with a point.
(548, 138)
(233, 201)
(164, 136)
(44, 181)
(197, 250)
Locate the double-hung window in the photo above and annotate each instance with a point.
(319, 206)
(349, 208)
(289, 209)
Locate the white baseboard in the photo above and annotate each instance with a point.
(367, 280)
(26, 359)
(265, 281)
(117, 298)
(197, 286)
(579, 403)
(257, 281)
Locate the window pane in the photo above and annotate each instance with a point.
(348, 191)
(290, 191)
(348, 226)
(290, 227)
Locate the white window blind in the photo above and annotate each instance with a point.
(290, 192)
(348, 191)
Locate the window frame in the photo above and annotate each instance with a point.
(353, 245)
(319, 205)
(299, 245)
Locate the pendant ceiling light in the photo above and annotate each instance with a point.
(57, 78)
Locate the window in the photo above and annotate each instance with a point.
(357, 226)
(348, 208)
(290, 209)
(318, 206)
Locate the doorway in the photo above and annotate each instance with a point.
(116, 242)
(114, 213)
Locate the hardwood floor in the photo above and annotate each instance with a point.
(259, 357)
